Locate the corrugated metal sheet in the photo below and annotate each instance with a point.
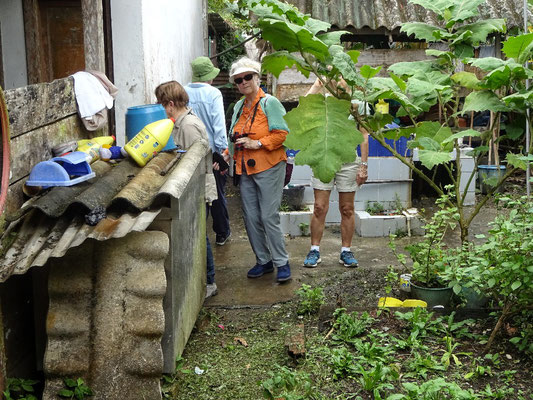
(133, 197)
(391, 14)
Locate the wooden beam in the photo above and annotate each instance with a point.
(93, 34)
(35, 57)
(31, 107)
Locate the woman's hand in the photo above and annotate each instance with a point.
(362, 174)
(248, 143)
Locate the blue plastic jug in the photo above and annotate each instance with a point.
(138, 117)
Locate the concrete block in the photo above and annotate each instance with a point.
(291, 222)
(367, 225)
(301, 173)
(392, 168)
(333, 216)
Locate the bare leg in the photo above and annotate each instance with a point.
(318, 220)
(346, 208)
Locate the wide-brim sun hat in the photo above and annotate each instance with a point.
(244, 64)
(203, 70)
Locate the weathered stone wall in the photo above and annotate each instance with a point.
(106, 319)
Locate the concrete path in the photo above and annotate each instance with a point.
(235, 258)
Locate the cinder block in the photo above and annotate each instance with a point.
(392, 168)
(291, 220)
(333, 216)
(302, 173)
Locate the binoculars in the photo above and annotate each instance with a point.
(240, 147)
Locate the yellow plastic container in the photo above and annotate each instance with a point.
(393, 302)
(382, 106)
(92, 146)
(149, 141)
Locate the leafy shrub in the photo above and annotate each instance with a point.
(20, 389)
(288, 384)
(310, 299)
(349, 326)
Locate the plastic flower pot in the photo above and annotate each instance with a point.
(486, 172)
(432, 296)
(474, 299)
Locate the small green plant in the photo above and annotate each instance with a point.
(392, 279)
(75, 389)
(377, 379)
(375, 208)
(342, 362)
(287, 384)
(168, 380)
(348, 327)
(310, 299)
(20, 389)
(304, 228)
(434, 389)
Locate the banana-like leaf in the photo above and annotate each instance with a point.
(464, 9)
(321, 129)
(293, 38)
(483, 100)
(276, 62)
(497, 78)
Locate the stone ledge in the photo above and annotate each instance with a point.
(367, 225)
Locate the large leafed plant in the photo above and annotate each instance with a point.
(320, 127)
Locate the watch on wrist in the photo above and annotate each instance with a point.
(365, 163)
(259, 143)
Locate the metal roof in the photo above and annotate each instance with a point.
(133, 197)
(391, 14)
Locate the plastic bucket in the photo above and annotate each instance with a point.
(486, 172)
(138, 117)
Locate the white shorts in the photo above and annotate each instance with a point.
(345, 179)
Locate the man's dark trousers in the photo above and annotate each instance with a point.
(219, 207)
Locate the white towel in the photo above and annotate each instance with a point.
(91, 95)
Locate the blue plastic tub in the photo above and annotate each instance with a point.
(375, 149)
(138, 117)
(492, 172)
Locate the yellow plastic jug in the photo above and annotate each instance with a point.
(149, 141)
(382, 106)
(92, 146)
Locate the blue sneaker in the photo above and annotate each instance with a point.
(347, 258)
(284, 273)
(312, 259)
(260, 269)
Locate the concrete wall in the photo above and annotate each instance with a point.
(153, 42)
(13, 44)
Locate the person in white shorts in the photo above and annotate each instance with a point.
(348, 179)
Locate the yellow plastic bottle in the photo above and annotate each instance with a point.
(92, 146)
(382, 106)
(149, 141)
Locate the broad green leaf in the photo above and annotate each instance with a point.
(378, 121)
(516, 46)
(421, 31)
(518, 160)
(409, 68)
(481, 29)
(321, 129)
(354, 55)
(497, 78)
(486, 63)
(519, 100)
(466, 79)
(465, 9)
(331, 38)
(293, 38)
(396, 134)
(463, 50)
(316, 25)
(516, 285)
(491, 282)
(346, 67)
(437, 6)
(65, 393)
(276, 62)
(430, 158)
(368, 72)
(399, 81)
(462, 134)
(379, 83)
(483, 100)
(428, 143)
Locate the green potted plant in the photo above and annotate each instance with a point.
(431, 257)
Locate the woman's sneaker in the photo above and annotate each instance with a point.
(312, 259)
(347, 258)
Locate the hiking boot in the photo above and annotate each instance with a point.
(222, 239)
(312, 259)
(212, 290)
(284, 273)
(260, 269)
(347, 258)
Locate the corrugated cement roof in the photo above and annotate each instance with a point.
(391, 14)
(51, 224)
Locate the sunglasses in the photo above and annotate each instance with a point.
(247, 78)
